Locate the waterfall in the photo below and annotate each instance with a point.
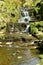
(27, 28)
(12, 29)
(24, 16)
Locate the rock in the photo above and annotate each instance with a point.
(8, 43)
(0, 42)
(1, 45)
(19, 57)
(41, 56)
(14, 54)
(1, 32)
(23, 39)
(34, 47)
(32, 43)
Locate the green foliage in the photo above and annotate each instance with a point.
(41, 11)
(41, 56)
(38, 10)
(41, 29)
(36, 29)
(33, 29)
(6, 9)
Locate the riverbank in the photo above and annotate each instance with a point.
(36, 29)
(19, 47)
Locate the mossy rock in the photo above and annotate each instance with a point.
(41, 56)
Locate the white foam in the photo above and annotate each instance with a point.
(25, 17)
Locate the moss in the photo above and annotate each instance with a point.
(36, 29)
(41, 56)
(33, 29)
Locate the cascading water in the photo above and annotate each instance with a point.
(24, 16)
(12, 29)
(27, 28)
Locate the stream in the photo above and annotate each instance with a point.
(18, 53)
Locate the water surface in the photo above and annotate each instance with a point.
(13, 54)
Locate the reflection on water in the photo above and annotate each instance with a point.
(11, 54)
